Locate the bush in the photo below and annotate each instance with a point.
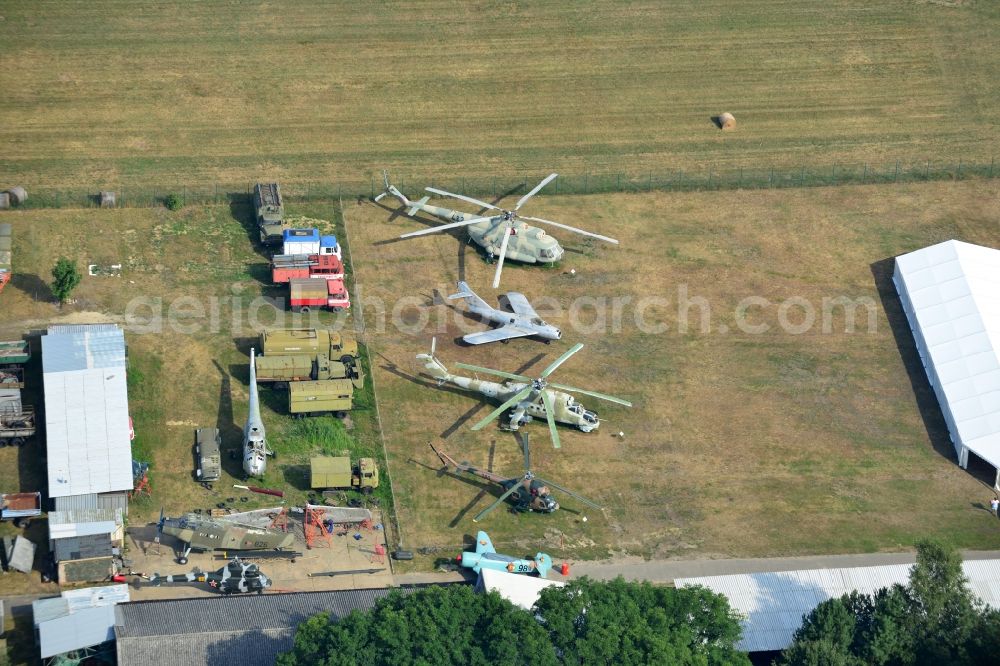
(172, 202)
(65, 277)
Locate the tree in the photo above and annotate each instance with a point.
(934, 619)
(66, 276)
(623, 623)
(438, 625)
(583, 623)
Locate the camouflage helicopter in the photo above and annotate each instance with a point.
(199, 533)
(504, 234)
(234, 578)
(528, 492)
(526, 398)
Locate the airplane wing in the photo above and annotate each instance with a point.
(497, 334)
(483, 543)
(520, 304)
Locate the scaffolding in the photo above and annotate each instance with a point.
(316, 533)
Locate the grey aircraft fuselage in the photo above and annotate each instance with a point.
(522, 322)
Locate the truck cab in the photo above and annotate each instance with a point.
(207, 453)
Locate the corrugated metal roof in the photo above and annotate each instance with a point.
(773, 604)
(246, 630)
(69, 517)
(77, 619)
(951, 295)
(86, 410)
(92, 501)
(518, 589)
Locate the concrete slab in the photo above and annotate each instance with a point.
(338, 553)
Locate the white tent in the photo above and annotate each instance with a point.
(518, 589)
(951, 296)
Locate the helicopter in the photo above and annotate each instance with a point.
(255, 448)
(204, 534)
(504, 235)
(528, 492)
(234, 578)
(526, 398)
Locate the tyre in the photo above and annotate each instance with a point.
(3, 443)
(296, 308)
(304, 309)
(22, 522)
(182, 560)
(18, 441)
(340, 415)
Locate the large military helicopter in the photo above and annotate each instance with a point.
(527, 492)
(234, 578)
(526, 398)
(255, 449)
(503, 235)
(199, 533)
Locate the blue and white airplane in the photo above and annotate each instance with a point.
(487, 557)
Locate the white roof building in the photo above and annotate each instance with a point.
(950, 293)
(88, 443)
(518, 589)
(78, 619)
(773, 604)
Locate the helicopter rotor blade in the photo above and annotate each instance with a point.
(550, 409)
(499, 501)
(548, 179)
(159, 526)
(432, 230)
(527, 453)
(569, 228)
(503, 255)
(518, 397)
(488, 371)
(593, 394)
(462, 197)
(562, 359)
(570, 493)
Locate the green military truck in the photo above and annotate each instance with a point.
(320, 350)
(270, 212)
(313, 398)
(338, 472)
(207, 445)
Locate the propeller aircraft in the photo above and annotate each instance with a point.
(527, 398)
(520, 323)
(487, 557)
(234, 578)
(528, 492)
(203, 534)
(503, 233)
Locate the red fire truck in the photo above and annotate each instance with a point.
(285, 267)
(306, 293)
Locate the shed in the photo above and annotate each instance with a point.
(773, 604)
(77, 619)
(88, 442)
(248, 630)
(950, 293)
(518, 589)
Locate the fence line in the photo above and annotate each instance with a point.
(679, 180)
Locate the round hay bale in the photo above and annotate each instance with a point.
(727, 121)
(18, 195)
(4, 200)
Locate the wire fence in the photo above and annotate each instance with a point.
(679, 180)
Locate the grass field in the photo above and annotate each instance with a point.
(739, 444)
(105, 93)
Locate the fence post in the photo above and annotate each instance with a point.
(802, 176)
(770, 178)
(958, 173)
(927, 169)
(992, 161)
(373, 187)
(895, 178)
(586, 183)
(619, 187)
(864, 176)
(649, 182)
(494, 187)
(709, 186)
(184, 194)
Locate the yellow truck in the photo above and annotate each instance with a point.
(338, 472)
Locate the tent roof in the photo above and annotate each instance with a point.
(954, 291)
(518, 589)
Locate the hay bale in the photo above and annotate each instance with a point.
(107, 199)
(727, 121)
(4, 200)
(18, 195)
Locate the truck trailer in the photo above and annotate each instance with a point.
(294, 368)
(20, 507)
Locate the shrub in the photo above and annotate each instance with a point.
(172, 202)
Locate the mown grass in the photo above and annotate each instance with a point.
(160, 95)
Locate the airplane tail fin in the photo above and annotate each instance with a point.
(543, 564)
(434, 367)
(392, 190)
(470, 296)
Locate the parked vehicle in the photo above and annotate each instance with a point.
(11, 377)
(294, 368)
(207, 451)
(339, 472)
(14, 352)
(309, 342)
(285, 267)
(270, 213)
(313, 398)
(305, 294)
(20, 507)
